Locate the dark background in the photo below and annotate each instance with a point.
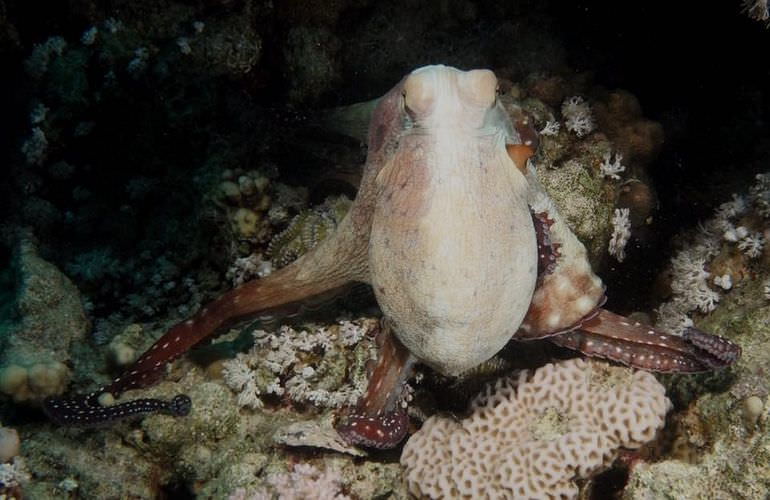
(698, 68)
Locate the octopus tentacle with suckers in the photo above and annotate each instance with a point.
(464, 251)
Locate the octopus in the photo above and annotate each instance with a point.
(464, 250)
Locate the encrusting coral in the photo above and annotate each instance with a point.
(533, 434)
(305, 481)
(36, 348)
(306, 229)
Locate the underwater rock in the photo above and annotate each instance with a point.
(230, 47)
(122, 349)
(619, 114)
(717, 451)
(317, 433)
(10, 444)
(105, 465)
(36, 347)
(312, 64)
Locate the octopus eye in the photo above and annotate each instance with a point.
(411, 115)
(419, 94)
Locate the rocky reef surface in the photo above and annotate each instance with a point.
(243, 153)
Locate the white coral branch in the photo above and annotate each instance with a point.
(621, 232)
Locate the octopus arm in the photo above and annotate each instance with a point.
(379, 419)
(614, 337)
(317, 276)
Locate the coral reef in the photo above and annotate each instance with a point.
(311, 55)
(218, 451)
(307, 367)
(155, 148)
(718, 256)
(304, 481)
(306, 229)
(582, 164)
(533, 434)
(720, 445)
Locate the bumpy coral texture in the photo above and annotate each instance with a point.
(307, 229)
(531, 435)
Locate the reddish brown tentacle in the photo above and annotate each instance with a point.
(280, 293)
(722, 351)
(379, 420)
(617, 338)
(525, 126)
(273, 295)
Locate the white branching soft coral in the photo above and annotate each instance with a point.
(303, 482)
(89, 36)
(733, 233)
(301, 364)
(756, 9)
(35, 147)
(752, 244)
(551, 127)
(244, 269)
(37, 63)
(38, 113)
(138, 64)
(611, 165)
(577, 116)
(760, 194)
(737, 224)
(733, 208)
(691, 291)
(621, 232)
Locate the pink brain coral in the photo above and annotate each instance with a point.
(531, 435)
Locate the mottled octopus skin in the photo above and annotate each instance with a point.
(380, 419)
(464, 251)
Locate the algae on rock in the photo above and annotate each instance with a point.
(36, 347)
